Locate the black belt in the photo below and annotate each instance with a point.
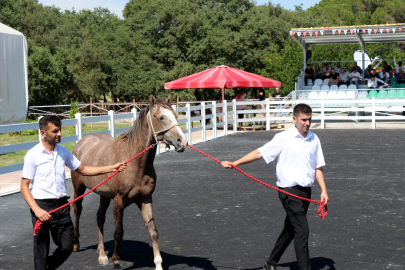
(304, 189)
(63, 199)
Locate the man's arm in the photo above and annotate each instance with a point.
(252, 156)
(38, 211)
(90, 170)
(321, 181)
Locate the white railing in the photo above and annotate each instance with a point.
(224, 114)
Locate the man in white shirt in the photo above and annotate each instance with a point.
(300, 161)
(44, 169)
(398, 67)
(355, 77)
(373, 82)
(381, 74)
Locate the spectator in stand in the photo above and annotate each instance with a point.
(240, 96)
(334, 78)
(387, 67)
(309, 74)
(355, 77)
(398, 67)
(344, 78)
(318, 72)
(262, 97)
(337, 68)
(385, 78)
(278, 96)
(326, 72)
(356, 67)
(373, 73)
(368, 72)
(373, 82)
(400, 76)
(383, 72)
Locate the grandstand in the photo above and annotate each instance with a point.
(363, 35)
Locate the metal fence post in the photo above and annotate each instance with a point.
(135, 115)
(373, 113)
(188, 117)
(225, 111)
(235, 118)
(267, 114)
(322, 112)
(111, 124)
(39, 131)
(214, 118)
(203, 121)
(79, 126)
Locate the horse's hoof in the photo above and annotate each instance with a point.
(76, 248)
(103, 260)
(159, 267)
(117, 266)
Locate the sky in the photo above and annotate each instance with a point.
(116, 6)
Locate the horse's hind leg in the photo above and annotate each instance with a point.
(147, 214)
(104, 203)
(78, 190)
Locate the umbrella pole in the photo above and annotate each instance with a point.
(223, 94)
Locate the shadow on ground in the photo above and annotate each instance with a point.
(141, 255)
(318, 263)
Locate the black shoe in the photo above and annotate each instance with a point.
(269, 267)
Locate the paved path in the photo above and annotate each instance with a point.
(210, 218)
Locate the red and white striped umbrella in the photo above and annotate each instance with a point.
(222, 77)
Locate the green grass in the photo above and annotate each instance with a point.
(18, 157)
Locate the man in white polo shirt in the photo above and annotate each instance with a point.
(300, 161)
(44, 169)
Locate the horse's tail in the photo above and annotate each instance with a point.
(73, 197)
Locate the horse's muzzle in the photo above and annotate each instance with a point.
(179, 143)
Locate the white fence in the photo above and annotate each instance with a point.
(225, 114)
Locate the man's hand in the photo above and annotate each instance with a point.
(42, 215)
(324, 197)
(227, 164)
(119, 166)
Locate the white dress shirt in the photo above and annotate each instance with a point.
(382, 75)
(371, 84)
(298, 157)
(355, 76)
(397, 68)
(47, 172)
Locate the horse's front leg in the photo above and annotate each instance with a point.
(104, 203)
(147, 213)
(119, 229)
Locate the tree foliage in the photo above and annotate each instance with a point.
(78, 55)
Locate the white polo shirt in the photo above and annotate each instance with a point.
(298, 157)
(47, 172)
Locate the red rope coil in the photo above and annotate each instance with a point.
(38, 224)
(321, 212)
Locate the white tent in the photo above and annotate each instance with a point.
(13, 75)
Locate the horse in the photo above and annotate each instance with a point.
(157, 122)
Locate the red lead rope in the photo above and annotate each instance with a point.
(322, 213)
(37, 226)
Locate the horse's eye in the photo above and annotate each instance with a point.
(161, 118)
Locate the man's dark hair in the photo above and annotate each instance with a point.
(384, 62)
(372, 76)
(301, 108)
(400, 62)
(44, 121)
(326, 64)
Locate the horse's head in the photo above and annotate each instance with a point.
(163, 121)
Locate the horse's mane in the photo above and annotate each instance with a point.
(134, 137)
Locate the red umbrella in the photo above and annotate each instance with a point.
(220, 78)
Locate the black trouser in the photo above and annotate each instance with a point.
(295, 227)
(310, 77)
(61, 229)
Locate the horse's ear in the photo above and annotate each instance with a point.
(152, 100)
(169, 99)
